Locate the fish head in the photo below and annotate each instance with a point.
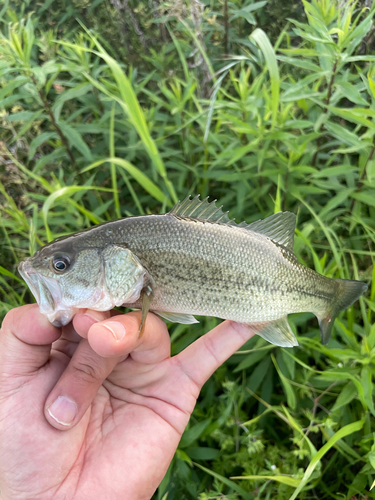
(65, 277)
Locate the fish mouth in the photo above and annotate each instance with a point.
(32, 279)
(47, 293)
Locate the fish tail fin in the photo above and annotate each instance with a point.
(347, 292)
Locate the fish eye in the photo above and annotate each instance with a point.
(60, 264)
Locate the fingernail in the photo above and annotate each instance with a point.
(117, 329)
(94, 315)
(63, 410)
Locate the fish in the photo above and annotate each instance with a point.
(191, 261)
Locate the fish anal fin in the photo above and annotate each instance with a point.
(185, 319)
(276, 332)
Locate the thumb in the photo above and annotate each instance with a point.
(25, 340)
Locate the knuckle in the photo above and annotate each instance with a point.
(88, 370)
(196, 383)
(211, 349)
(13, 318)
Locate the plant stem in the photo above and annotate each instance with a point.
(330, 86)
(226, 26)
(325, 110)
(48, 108)
(363, 175)
(100, 104)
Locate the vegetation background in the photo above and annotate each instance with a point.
(112, 108)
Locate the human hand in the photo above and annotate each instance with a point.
(128, 402)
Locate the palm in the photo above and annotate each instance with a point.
(129, 432)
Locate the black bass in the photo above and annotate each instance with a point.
(191, 261)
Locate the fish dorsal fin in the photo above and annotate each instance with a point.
(201, 209)
(278, 227)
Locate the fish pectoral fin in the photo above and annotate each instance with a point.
(277, 332)
(185, 319)
(146, 295)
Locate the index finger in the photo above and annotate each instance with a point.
(118, 336)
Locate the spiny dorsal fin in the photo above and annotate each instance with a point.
(201, 209)
(278, 227)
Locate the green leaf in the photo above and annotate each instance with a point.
(7, 273)
(250, 360)
(243, 494)
(23, 115)
(344, 135)
(294, 94)
(64, 192)
(202, 453)
(139, 176)
(78, 91)
(193, 433)
(130, 104)
(366, 382)
(337, 200)
(289, 362)
(14, 84)
(345, 431)
(300, 63)
(256, 378)
(350, 92)
(39, 140)
(262, 40)
(371, 82)
(346, 395)
(291, 397)
(352, 116)
(334, 171)
(289, 481)
(368, 198)
(51, 158)
(75, 140)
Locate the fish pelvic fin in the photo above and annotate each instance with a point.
(276, 332)
(348, 291)
(147, 295)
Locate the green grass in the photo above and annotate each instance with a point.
(86, 137)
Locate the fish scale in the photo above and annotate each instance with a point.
(243, 269)
(192, 261)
